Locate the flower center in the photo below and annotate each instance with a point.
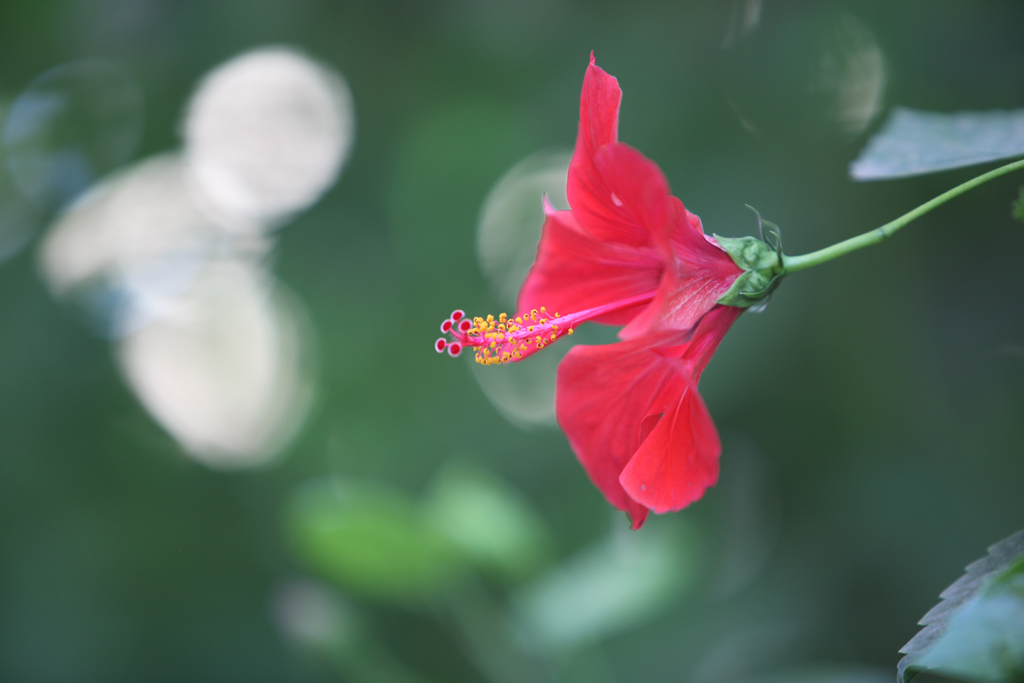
(510, 339)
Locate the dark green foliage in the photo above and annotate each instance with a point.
(1018, 206)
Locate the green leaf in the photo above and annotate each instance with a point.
(371, 541)
(489, 521)
(917, 142)
(977, 631)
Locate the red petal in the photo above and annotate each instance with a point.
(574, 271)
(599, 112)
(603, 394)
(708, 335)
(679, 460)
(619, 195)
(700, 274)
(589, 193)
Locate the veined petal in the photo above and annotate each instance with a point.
(599, 112)
(574, 271)
(603, 394)
(699, 274)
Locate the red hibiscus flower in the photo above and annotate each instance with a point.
(627, 253)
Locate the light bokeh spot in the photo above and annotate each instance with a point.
(131, 246)
(266, 133)
(312, 614)
(225, 369)
(507, 234)
(851, 74)
(512, 216)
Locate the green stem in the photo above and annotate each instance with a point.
(792, 264)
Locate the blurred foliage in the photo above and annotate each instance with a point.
(870, 417)
(488, 521)
(370, 542)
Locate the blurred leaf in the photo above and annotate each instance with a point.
(489, 521)
(1018, 206)
(614, 585)
(916, 142)
(371, 541)
(977, 631)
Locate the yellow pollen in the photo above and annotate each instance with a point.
(505, 339)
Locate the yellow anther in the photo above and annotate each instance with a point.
(569, 331)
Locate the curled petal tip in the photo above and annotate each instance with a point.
(549, 208)
(637, 518)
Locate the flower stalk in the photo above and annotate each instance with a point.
(793, 264)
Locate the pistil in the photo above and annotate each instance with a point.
(508, 339)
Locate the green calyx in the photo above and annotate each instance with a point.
(762, 266)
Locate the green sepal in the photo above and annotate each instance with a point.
(750, 289)
(749, 253)
(762, 270)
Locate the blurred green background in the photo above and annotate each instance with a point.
(427, 522)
